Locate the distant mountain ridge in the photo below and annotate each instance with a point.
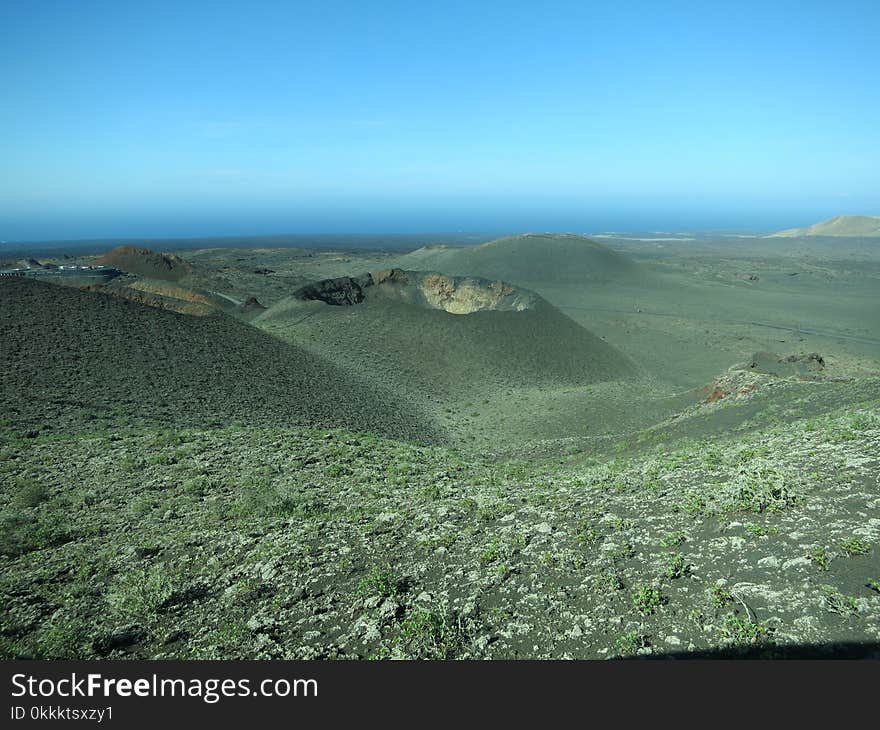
(841, 225)
(145, 262)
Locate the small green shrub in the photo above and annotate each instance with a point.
(490, 553)
(608, 581)
(838, 603)
(672, 539)
(675, 566)
(819, 556)
(427, 634)
(745, 632)
(628, 644)
(622, 551)
(139, 594)
(587, 534)
(855, 546)
(694, 504)
(764, 490)
(338, 470)
(757, 530)
(720, 597)
(647, 599)
(380, 582)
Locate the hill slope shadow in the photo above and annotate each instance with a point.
(70, 357)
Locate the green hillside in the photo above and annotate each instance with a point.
(71, 358)
(421, 349)
(528, 258)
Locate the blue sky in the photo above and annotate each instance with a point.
(209, 118)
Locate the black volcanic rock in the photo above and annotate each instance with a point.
(252, 304)
(344, 291)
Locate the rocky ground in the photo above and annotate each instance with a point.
(291, 543)
(168, 488)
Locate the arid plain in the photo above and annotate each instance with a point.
(532, 446)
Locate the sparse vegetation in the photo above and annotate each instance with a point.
(431, 634)
(380, 582)
(757, 530)
(608, 580)
(676, 566)
(746, 632)
(838, 603)
(855, 546)
(630, 643)
(138, 595)
(494, 507)
(819, 556)
(673, 539)
(720, 597)
(647, 599)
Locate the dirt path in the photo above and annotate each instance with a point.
(227, 298)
